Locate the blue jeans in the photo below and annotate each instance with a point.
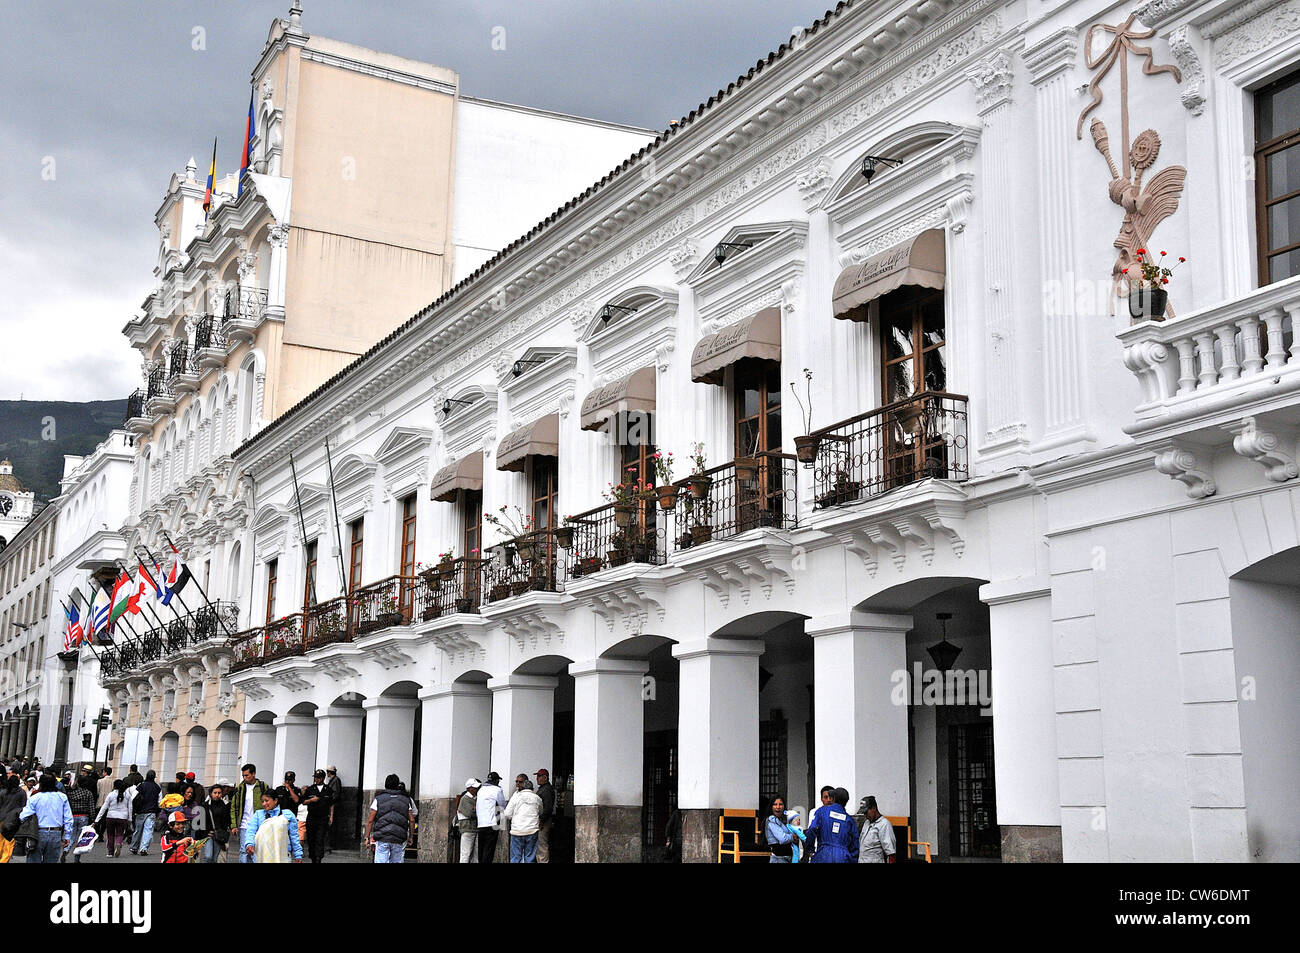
(49, 848)
(79, 823)
(389, 853)
(237, 844)
(144, 830)
(523, 848)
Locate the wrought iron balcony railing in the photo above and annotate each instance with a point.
(382, 604)
(326, 623)
(134, 406)
(614, 535)
(245, 304)
(734, 498)
(208, 333)
(898, 444)
(454, 587)
(159, 386)
(530, 563)
(178, 361)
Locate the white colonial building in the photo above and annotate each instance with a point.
(966, 535)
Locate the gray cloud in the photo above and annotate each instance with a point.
(114, 94)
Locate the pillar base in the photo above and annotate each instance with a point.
(436, 817)
(700, 835)
(1027, 844)
(607, 834)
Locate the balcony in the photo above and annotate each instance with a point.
(614, 535)
(209, 624)
(159, 398)
(182, 373)
(209, 344)
(729, 500)
(1207, 370)
(244, 311)
(529, 563)
(923, 437)
(134, 420)
(456, 587)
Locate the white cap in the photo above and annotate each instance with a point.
(473, 783)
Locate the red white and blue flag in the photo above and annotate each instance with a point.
(73, 634)
(149, 576)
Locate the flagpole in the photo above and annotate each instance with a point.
(302, 533)
(158, 565)
(162, 627)
(189, 614)
(338, 533)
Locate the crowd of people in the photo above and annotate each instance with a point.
(832, 835)
(527, 816)
(50, 819)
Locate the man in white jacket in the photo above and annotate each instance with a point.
(524, 815)
(488, 806)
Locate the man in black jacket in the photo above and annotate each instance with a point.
(133, 777)
(147, 794)
(336, 795)
(319, 799)
(545, 791)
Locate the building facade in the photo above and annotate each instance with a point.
(950, 520)
(16, 503)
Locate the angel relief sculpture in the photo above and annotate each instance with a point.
(1147, 206)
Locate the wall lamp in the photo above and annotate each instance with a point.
(607, 312)
(869, 164)
(446, 404)
(518, 367)
(722, 249)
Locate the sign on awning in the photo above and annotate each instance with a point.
(919, 261)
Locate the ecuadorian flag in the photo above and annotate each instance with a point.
(212, 179)
(246, 159)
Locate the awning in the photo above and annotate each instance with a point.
(541, 438)
(919, 261)
(634, 392)
(463, 474)
(758, 336)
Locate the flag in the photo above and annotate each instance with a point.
(246, 160)
(212, 180)
(177, 576)
(150, 580)
(73, 634)
(125, 598)
(97, 616)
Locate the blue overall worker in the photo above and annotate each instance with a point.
(833, 834)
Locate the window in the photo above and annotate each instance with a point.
(545, 477)
(636, 463)
(272, 574)
(356, 535)
(913, 362)
(1277, 179)
(407, 568)
(472, 535)
(309, 577)
(759, 497)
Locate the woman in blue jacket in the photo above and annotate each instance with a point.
(780, 842)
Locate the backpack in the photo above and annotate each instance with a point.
(138, 802)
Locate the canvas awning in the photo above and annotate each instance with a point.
(463, 474)
(918, 261)
(541, 438)
(758, 336)
(632, 392)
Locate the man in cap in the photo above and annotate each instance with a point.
(489, 804)
(336, 794)
(467, 822)
(319, 801)
(877, 843)
(545, 791)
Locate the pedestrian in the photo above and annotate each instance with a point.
(53, 820)
(116, 814)
(244, 803)
(133, 777)
(489, 804)
(173, 841)
(219, 811)
(104, 787)
(319, 801)
(145, 807)
(12, 801)
(289, 794)
(523, 815)
(545, 791)
(177, 786)
(81, 799)
(391, 822)
(794, 825)
(467, 822)
(877, 844)
(833, 832)
(271, 835)
(199, 794)
(336, 795)
(776, 831)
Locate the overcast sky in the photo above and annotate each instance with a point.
(104, 99)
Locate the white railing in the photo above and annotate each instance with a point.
(1221, 349)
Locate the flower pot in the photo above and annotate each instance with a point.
(617, 557)
(430, 613)
(700, 486)
(701, 533)
(518, 588)
(527, 549)
(1147, 304)
(446, 569)
(464, 605)
(587, 565)
(746, 468)
(564, 537)
(667, 496)
(805, 448)
(623, 514)
(499, 591)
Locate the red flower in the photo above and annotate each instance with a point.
(1164, 281)
(1126, 271)
(1141, 251)
(1162, 254)
(1182, 259)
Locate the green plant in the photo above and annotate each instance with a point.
(1154, 272)
(663, 467)
(806, 411)
(510, 527)
(699, 462)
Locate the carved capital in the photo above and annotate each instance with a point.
(1183, 47)
(1274, 450)
(814, 183)
(992, 79)
(1189, 466)
(682, 259)
(278, 235)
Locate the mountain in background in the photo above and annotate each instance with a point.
(77, 429)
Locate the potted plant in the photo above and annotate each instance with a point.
(805, 447)
(464, 604)
(499, 591)
(843, 490)
(699, 481)
(586, 565)
(665, 488)
(747, 464)
(564, 535)
(514, 530)
(1147, 297)
(623, 496)
(431, 612)
(617, 557)
(701, 533)
(446, 564)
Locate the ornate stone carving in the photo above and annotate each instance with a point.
(1255, 34)
(992, 80)
(815, 182)
(1273, 451)
(682, 259)
(1186, 466)
(1184, 53)
(278, 235)
(1155, 12)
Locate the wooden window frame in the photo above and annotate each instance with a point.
(272, 581)
(1263, 151)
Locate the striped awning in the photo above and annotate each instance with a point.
(919, 261)
(463, 474)
(541, 438)
(632, 392)
(757, 336)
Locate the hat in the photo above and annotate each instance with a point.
(318, 773)
(541, 771)
(493, 777)
(473, 783)
(177, 817)
(189, 776)
(331, 769)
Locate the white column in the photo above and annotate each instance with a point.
(718, 719)
(295, 746)
(1024, 703)
(608, 722)
(455, 736)
(523, 724)
(338, 742)
(861, 723)
(258, 741)
(390, 738)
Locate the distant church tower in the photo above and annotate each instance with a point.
(16, 504)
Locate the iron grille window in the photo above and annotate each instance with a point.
(975, 824)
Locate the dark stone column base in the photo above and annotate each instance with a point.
(700, 835)
(607, 834)
(1027, 844)
(436, 816)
